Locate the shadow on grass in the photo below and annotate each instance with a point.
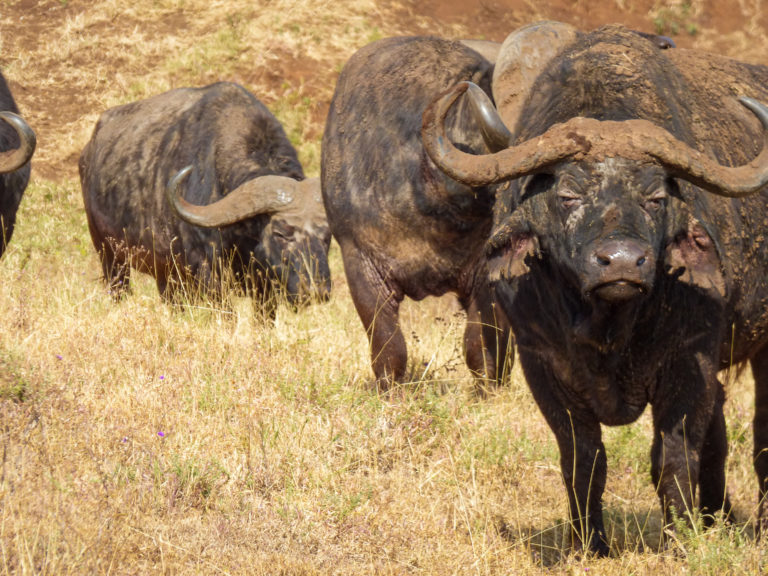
(627, 531)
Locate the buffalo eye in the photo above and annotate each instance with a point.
(537, 184)
(282, 231)
(656, 199)
(569, 199)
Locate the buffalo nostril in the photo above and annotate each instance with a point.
(621, 255)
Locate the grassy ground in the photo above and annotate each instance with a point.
(138, 438)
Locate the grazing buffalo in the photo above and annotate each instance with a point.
(17, 144)
(630, 253)
(404, 228)
(198, 184)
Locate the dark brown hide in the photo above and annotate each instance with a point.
(230, 140)
(405, 229)
(14, 164)
(627, 281)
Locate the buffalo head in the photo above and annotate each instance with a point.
(295, 240)
(594, 195)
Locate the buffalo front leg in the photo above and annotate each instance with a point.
(582, 458)
(584, 467)
(760, 436)
(168, 285)
(171, 280)
(488, 342)
(116, 267)
(682, 418)
(378, 307)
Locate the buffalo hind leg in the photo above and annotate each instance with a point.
(489, 346)
(760, 435)
(378, 307)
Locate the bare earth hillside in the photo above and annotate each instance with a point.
(69, 59)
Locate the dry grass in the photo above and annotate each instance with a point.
(107, 52)
(139, 438)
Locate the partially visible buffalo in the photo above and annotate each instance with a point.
(404, 228)
(237, 199)
(17, 144)
(630, 253)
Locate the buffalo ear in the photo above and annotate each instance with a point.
(509, 261)
(692, 257)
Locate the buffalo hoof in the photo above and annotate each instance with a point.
(598, 547)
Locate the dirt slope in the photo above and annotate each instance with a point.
(68, 60)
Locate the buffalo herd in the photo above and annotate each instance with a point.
(599, 195)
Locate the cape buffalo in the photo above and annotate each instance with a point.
(403, 227)
(630, 253)
(17, 144)
(248, 209)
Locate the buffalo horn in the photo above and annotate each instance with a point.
(733, 182)
(629, 138)
(14, 159)
(476, 171)
(262, 195)
(525, 53)
(495, 133)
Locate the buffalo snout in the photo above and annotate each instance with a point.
(307, 274)
(620, 269)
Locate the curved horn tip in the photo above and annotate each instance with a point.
(495, 133)
(758, 109)
(472, 87)
(444, 100)
(172, 193)
(465, 85)
(20, 125)
(665, 42)
(180, 175)
(480, 100)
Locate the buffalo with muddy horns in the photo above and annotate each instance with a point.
(17, 144)
(197, 184)
(630, 252)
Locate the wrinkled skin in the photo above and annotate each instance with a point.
(12, 184)
(229, 138)
(403, 227)
(627, 285)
